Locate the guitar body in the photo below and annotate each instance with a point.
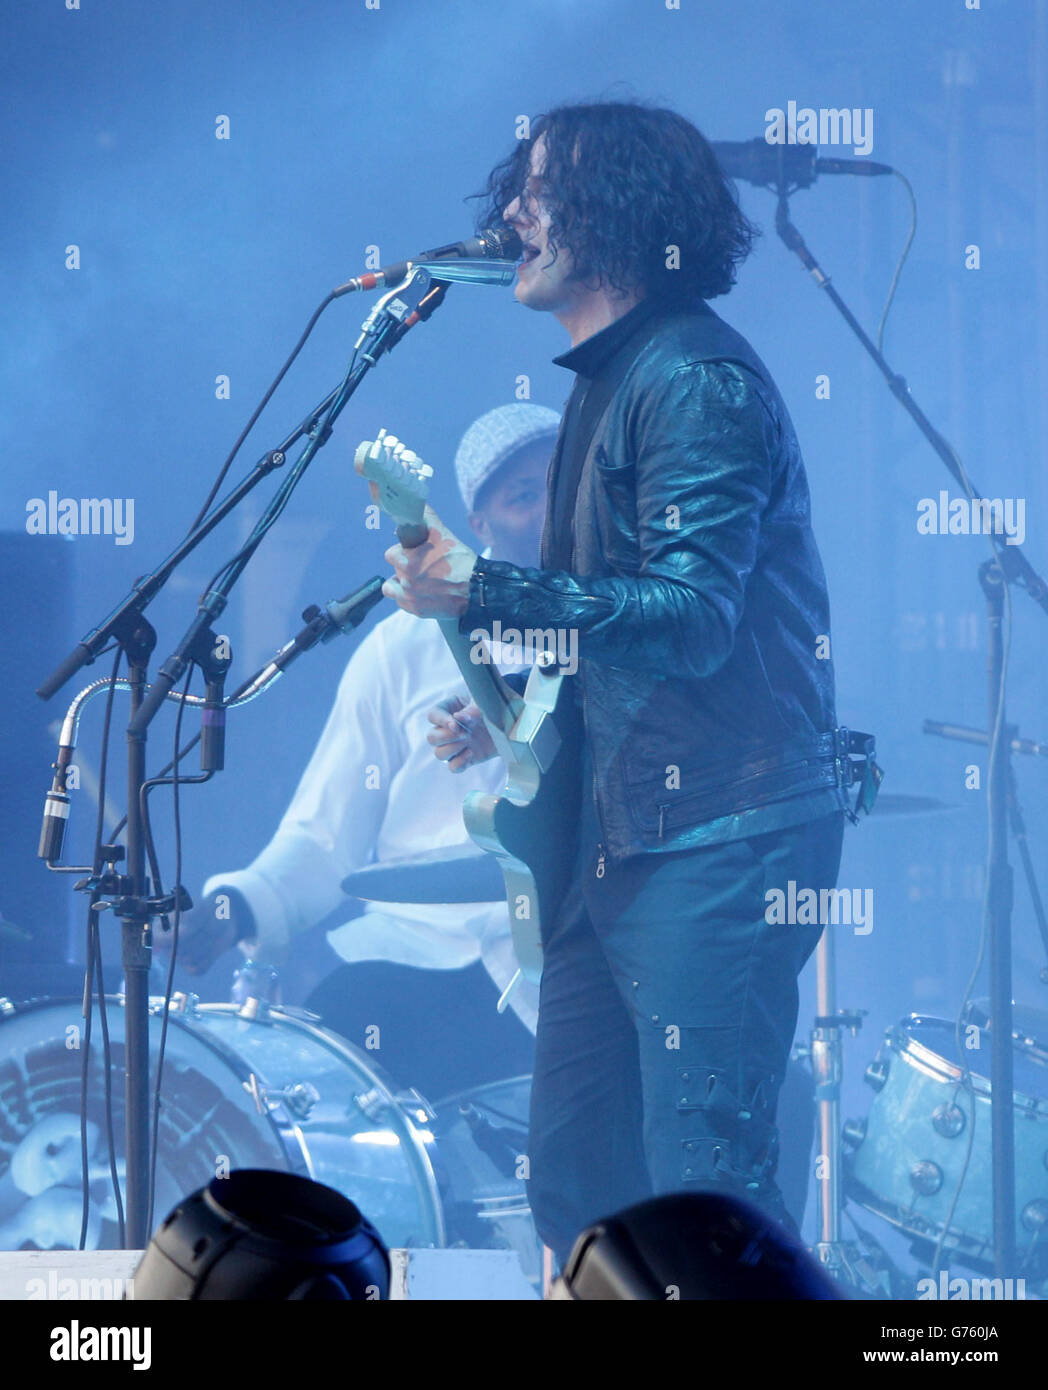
(531, 826)
(533, 836)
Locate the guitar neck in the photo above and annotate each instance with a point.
(498, 702)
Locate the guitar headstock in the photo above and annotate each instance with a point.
(399, 474)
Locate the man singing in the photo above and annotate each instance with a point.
(678, 545)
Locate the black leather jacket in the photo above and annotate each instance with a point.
(698, 597)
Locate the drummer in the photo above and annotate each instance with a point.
(416, 985)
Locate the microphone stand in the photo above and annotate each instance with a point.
(393, 315)
(1009, 566)
(1017, 822)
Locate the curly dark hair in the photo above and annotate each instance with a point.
(623, 183)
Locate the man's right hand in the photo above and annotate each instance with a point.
(460, 737)
(208, 930)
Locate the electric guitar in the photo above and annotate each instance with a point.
(529, 826)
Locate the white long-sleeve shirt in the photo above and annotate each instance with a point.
(374, 792)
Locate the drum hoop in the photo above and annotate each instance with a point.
(422, 1161)
(926, 1060)
(917, 1226)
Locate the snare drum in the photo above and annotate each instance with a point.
(909, 1154)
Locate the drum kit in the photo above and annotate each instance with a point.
(253, 1083)
(262, 1086)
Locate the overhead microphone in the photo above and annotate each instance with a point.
(756, 161)
(492, 244)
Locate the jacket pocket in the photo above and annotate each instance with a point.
(615, 504)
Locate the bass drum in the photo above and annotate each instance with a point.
(272, 1090)
(927, 1134)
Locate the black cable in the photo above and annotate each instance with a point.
(901, 262)
(93, 951)
(258, 411)
(85, 1054)
(108, 1086)
(282, 496)
(966, 1082)
(169, 987)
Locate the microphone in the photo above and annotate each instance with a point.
(757, 162)
(57, 801)
(322, 625)
(502, 1143)
(492, 244)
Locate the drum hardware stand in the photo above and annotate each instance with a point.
(1009, 567)
(842, 1259)
(1014, 743)
(391, 317)
(1004, 812)
(999, 901)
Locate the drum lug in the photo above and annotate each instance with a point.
(948, 1120)
(373, 1104)
(187, 1004)
(925, 1177)
(876, 1073)
(854, 1132)
(298, 1099)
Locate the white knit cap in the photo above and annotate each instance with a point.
(492, 439)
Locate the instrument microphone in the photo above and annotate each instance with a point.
(503, 1144)
(492, 244)
(56, 803)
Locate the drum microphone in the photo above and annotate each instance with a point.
(321, 625)
(56, 803)
(757, 162)
(502, 1143)
(492, 244)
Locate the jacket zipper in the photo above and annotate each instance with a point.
(575, 499)
(602, 856)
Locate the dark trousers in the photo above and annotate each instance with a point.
(668, 1009)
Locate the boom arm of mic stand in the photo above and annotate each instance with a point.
(994, 577)
(387, 323)
(147, 588)
(1017, 569)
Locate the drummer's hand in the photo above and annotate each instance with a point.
(460, 737)
(208, 930)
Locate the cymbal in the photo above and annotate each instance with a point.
(464, 874)
(901, 804)
(458, 874)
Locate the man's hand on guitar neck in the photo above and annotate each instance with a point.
(432, 579)
(460, 737)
